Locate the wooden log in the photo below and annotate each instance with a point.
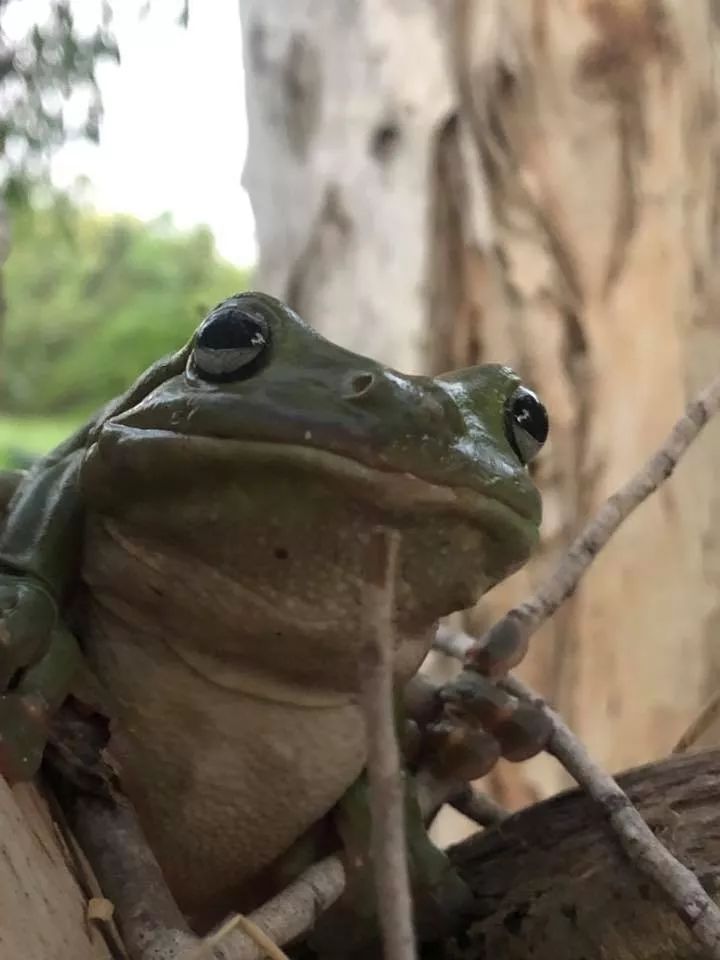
(551, 882)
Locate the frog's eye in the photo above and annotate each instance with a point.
(526, 424)
(230, 344)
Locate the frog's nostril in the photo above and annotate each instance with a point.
(359, 385)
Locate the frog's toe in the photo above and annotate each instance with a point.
(521, 729)
(23, 733)
(504, 647)
(27, 617)
(452, 750)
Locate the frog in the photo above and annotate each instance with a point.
(200, 549)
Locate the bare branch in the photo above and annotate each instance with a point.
(383, 765)
(682, 888)
(150, 922)
(705, 723)
(505, 644)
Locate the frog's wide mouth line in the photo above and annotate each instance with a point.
(388, 488)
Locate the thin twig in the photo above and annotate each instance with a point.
(383, 765)
(515, 628)
(703, 723)
(682, 888)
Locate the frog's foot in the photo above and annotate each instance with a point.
(38, 658)
(481, 723)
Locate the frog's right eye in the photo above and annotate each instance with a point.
(526, 424)
(230, 344)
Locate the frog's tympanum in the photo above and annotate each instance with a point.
(204, 542)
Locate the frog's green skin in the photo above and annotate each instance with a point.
(208, 544)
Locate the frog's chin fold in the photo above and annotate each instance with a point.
(128, 449)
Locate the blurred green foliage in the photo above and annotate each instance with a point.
(93, 300)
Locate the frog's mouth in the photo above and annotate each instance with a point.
(128, 450)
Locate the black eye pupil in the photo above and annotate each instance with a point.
(230, 329)
(531, 415)
(526, 424)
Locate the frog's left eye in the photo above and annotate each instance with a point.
(230, 344)
(526, 424)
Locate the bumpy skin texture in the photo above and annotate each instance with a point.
(206, 540)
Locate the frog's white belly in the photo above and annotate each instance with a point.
(223, 783)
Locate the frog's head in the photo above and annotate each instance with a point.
(273, 453)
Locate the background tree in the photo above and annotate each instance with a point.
(537, 183)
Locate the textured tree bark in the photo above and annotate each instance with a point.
(43, 910)
(590, 127)
(536, 183)
(551, 882)
(343, 99)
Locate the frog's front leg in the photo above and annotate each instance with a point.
(440, 898)
(38, 655)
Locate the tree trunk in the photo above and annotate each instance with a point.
(546, 195)
(343, 99)
(552, 883)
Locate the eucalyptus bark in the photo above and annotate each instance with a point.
(342, 101)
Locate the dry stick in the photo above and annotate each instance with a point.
(524, 619)
(383, 765)
(696, 909)
(152, 926)
(703, 723)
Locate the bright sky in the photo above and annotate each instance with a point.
(174, 131)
